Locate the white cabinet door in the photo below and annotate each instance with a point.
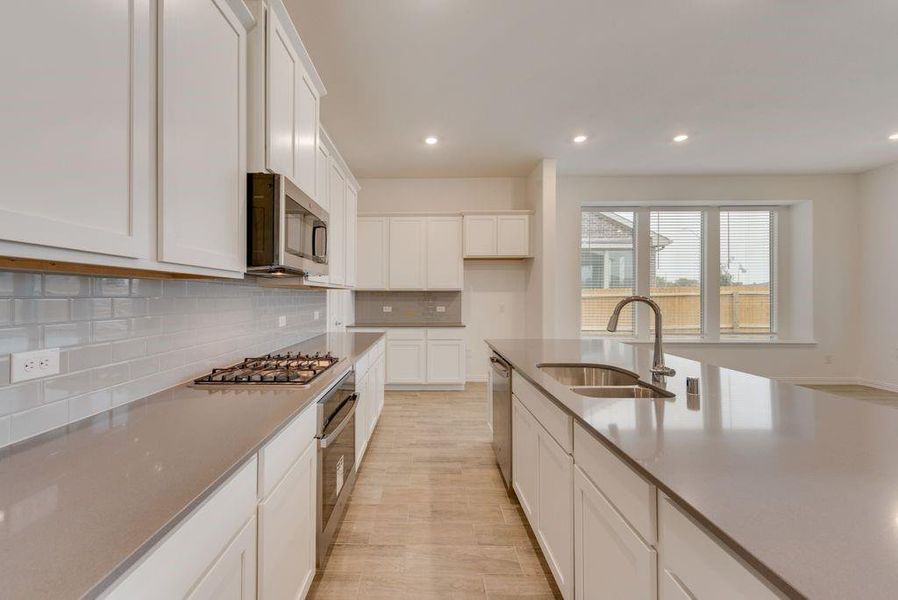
(406, 361)
(555, 515)
(338, 305)
(283, 71)
(373, 247)
(287, 525)
(233, 576)
(306, 138)
(407, 253)
(351, 234)
(694, 565)
(445, 361)
(610, 559)
(480, 235)
(513, 235)
(202, 135)
(77, 124)
(322, 176)
(445, 268)
(380, 380)
(525, 460)
(361, 418)
(336, 261)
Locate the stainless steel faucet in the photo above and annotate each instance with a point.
(658, 367)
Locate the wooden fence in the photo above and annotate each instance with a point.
(744, 309)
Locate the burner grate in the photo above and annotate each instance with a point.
(289, 368)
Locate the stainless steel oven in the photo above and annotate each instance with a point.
(336, 458)
(286, 230)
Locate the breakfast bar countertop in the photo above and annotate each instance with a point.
(801, 483)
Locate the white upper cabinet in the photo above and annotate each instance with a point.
(351, 234)
(77, 123)
(336, 260)
(513, 235)
(497, 236)
(292, 102)
(408, 263)
(373, 234)
(322, 165)
(445, 269)
(202, 138)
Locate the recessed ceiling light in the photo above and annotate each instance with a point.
(894, 137)
(680, 138)
(579, 139)
(431, 140)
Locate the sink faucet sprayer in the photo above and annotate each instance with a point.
(658, 367)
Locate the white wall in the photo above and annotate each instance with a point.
(494, 298)
(830, 201)
(878, 349)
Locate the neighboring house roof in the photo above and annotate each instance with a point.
(607, 230)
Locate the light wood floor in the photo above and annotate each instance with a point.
(429, 517)
(860, 392)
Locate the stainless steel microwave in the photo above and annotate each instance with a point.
(286, 230)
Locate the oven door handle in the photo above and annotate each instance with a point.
(327, 440)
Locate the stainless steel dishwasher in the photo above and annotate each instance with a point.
(501, 392)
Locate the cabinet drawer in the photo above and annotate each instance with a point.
(172, 568)
(277, 455)
(552, 418)
(695, 565)
(631, 495)
(446, 333)
(406, 333)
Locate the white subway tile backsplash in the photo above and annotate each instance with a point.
(66, 334)
(19, 339)
(89, 404)
(67, 386)
(38, 420)
(17, 398)
(107, 331)
(66, 286)
(91, 309)
(40, 311)
(20, 285)
(111, 286)
(125, 339)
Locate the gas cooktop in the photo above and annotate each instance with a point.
(289, 368)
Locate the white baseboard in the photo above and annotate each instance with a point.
(818, 380)
(423, 387)
(477, 379)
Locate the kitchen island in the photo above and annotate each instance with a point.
(799, 485)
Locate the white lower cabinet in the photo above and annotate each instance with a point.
(611, 560)
(362, 409)
(369, 385)
(445, 361)
(555, 523)
(287, 525)
(694, 565)
(233, 576)
(406, 361)
(542, 474)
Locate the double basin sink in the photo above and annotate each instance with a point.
(601, 381)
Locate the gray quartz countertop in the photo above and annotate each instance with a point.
(81, 503)
(801, 483)
(419, 324)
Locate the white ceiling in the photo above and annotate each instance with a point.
(774, 86)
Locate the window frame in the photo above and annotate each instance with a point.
(710, 276)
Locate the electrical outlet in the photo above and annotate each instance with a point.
(501, 309)
(33, 365)
(441, 309)
(282, 321)
(828, 359)
(388, 309)
(317, 314)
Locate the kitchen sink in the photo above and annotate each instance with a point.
(622, 391)
(580, 375)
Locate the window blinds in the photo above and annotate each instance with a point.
(746, 284)
(675, 278)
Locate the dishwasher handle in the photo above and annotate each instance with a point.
(499, 366)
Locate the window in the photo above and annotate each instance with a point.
(675, 263)
(673, 255)
(746, 260)
(607, 267)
